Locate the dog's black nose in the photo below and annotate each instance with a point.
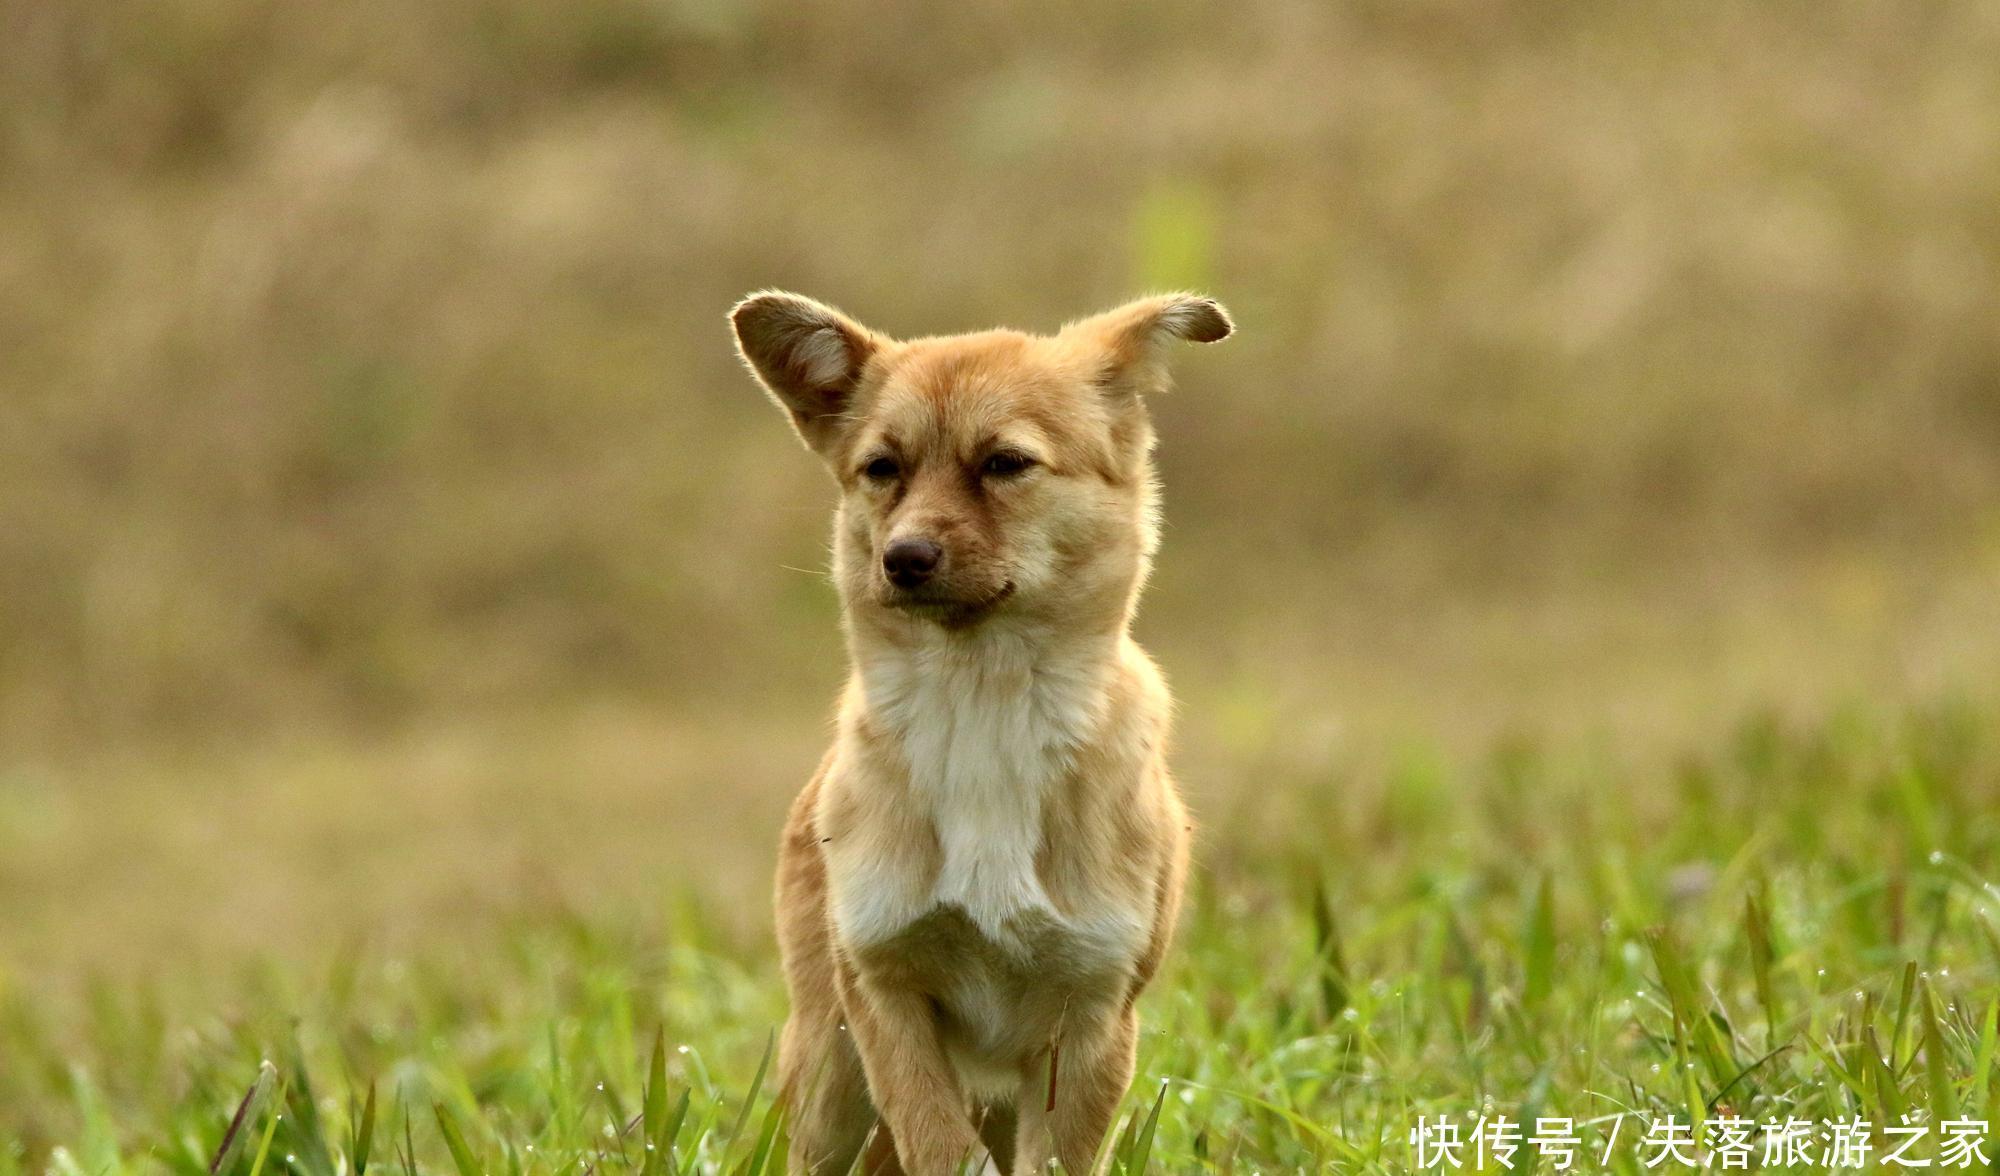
(909, 562)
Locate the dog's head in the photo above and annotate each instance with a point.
(985, 474)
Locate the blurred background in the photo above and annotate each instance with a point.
(390, 541)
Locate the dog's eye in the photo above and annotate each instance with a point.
(881, 469)
(1006, 464)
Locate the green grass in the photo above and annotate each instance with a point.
(1798, 921)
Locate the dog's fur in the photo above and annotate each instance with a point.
(986, 868)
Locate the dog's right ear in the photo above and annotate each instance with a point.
(807, 355)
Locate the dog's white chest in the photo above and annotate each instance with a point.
(984, 759)
(985, 738)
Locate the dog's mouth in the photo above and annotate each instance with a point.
(951, 612)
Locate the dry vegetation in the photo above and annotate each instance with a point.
(365, 361)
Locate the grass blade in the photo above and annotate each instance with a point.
(1303, 1125)
(364, 1134)
(232, 1139)
(1539, 945)
(1757, 930)
(1829, 1058)
(409, 1144)
(1937, 1069)
(670, 1134)
(750, 1099)
(306, 1145)
(1705, 1039)
(1888, 1095)
(755, 1165)
(1142, 1150)
(653, 1106)
(1982, 1065)
(454, 1141)
(270, 1129)
(1332, 961)
(1127, 1140)
(1905, 996)
(1697, 1107)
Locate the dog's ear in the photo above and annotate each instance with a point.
(807, 355)
(1133, 336)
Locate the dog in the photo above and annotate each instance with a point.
(986, 869)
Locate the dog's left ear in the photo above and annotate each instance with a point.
(807, 355)
(1133, 336)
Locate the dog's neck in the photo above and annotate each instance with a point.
(1041, 688)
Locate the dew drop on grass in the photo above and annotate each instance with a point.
(682, 1049)
(290, 1158)
(1937, 857)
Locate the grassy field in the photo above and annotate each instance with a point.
(1797, 921)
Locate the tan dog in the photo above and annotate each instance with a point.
(986, 868)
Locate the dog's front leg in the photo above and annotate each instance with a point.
(912, 1083)
(1068, 1113)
